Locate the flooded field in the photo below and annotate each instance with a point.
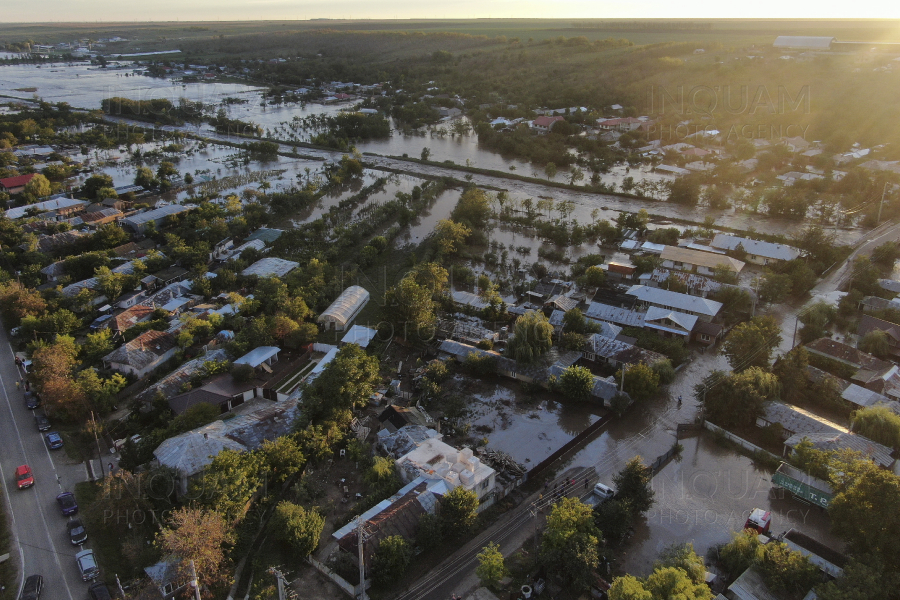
(527, 430)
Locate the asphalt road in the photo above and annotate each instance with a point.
(38, 526)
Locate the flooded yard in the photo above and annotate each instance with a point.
(528, 429)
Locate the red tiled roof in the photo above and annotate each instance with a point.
(17, 181)
(545, 121)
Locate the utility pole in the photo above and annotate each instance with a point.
(194, 583)
(360, 543)
(881, 205)
(119, 584)
(534, 513)
(279, 577)
(97, 439)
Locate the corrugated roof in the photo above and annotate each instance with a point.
(699, 258)
(880, 454)
(614, 314)
(191, 452)
(724, 241)
(668, 299)
(54, 204)
(797, 420)
(258, 355)
(142, 351)
(359, 335)
(266, 235)
(346, 306)
(683, 320)
(143, 218)
(270, 267)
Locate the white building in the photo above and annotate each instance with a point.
(432, 459)
(758, 252)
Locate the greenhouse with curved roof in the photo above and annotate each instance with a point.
(343, 310)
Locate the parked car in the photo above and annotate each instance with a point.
(77, 532)
(54, 440)
(99, 591)
(33, 587)
(41, 421)
(603, 492)
(67, 504)
(32, 400)
(87, 564)
(24, 477)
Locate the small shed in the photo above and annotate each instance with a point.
(343, 310)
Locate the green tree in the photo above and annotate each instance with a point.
(577, 383)
(297, 526)
(736, 399)
(641, 381)
(491, 566)
(473, 209)
(751, 344)
(429, 531)
(459, 510)
(874, 491)
(382, 478)
(614, 518)
(550, 170)
(792, 375)
(876, 343)
(346, 383)
(593, 277)
(166, 170)
(39, 186)
(97, 345)
(775, 287)
(878, 423)
(532, 337)
(683, 556)
(426, 152)
(570, 542)
(740, 553)
(390, 560)
(671, 583)
(95, 183)
(574, 321)
(145, 178)
(409, 308)
(865, 578)
(684, 190)
(815, 319)
(228, 484)
(629, 587)
(451, 236)
(633, 485)
(886, 255)
(282, 458)
(785, 570)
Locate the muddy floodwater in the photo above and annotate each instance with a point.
(527, 430)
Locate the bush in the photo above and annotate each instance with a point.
(242, 373)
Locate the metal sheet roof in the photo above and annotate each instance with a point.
(257, 356)
(667, 299)
(755, 247)
(270, 267)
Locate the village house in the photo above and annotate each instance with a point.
(868, 324)
(270, 267)
(544, 124)
(702, 308)
(142, 355)
(435, 460)
(617, 352)
(15, 185)
(127, 319)
(757, 252)
(189, 453)
(61, 207)
(138, 223)
(704, 263)
(621, 124)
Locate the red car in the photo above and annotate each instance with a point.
(24, 477)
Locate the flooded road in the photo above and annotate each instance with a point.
(84, 86)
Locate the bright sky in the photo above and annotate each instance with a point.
(234, 10)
